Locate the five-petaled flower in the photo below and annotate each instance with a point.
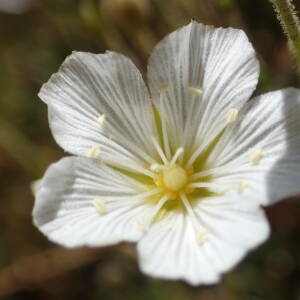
(182, 167)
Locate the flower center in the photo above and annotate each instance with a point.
(174, 178)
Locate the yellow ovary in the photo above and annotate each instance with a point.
(174, 178)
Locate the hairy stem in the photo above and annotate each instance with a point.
(289, 21)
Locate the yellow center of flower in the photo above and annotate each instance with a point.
(174, 178)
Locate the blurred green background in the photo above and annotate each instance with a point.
(35, 37)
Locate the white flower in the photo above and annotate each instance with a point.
(183, 172)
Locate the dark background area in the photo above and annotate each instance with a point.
(33, 44)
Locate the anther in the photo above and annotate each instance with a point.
(93, 152)
(140, 226)
(99, 205)
(201, 237)
(256, 155)
(232, 115)
(195, 90)
(242, 186)
(163, 88)
(101, 118)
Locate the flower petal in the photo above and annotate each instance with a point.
(171, 250)
(100, 99)
(262, 150)
(209, 71)
(65, 204)
(234, 226)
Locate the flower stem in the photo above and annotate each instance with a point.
(289, 21)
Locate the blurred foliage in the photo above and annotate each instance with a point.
(33, 44)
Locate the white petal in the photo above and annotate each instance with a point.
(235, 225)
(170, 249)
(263, 149)
(64, 209)
(100, 99)
(35, 186)
(220, 62)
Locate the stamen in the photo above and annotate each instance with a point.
(204, 185)
(201, 237)
(165, 135)
(140, 226)
(113, 135)
(129, 166)
(212, 171)
(187, 132)
(163, 88)
(232, 115)
(93, 152)
(178, 152)
(157, 208)
(148, 193)
(195, 90)
(195, 155)
(160, 215)
(201, 233)
(101, 118)
(242, 186)
(256, 155)
(159, 151)
(99, 205)
(157, 167)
